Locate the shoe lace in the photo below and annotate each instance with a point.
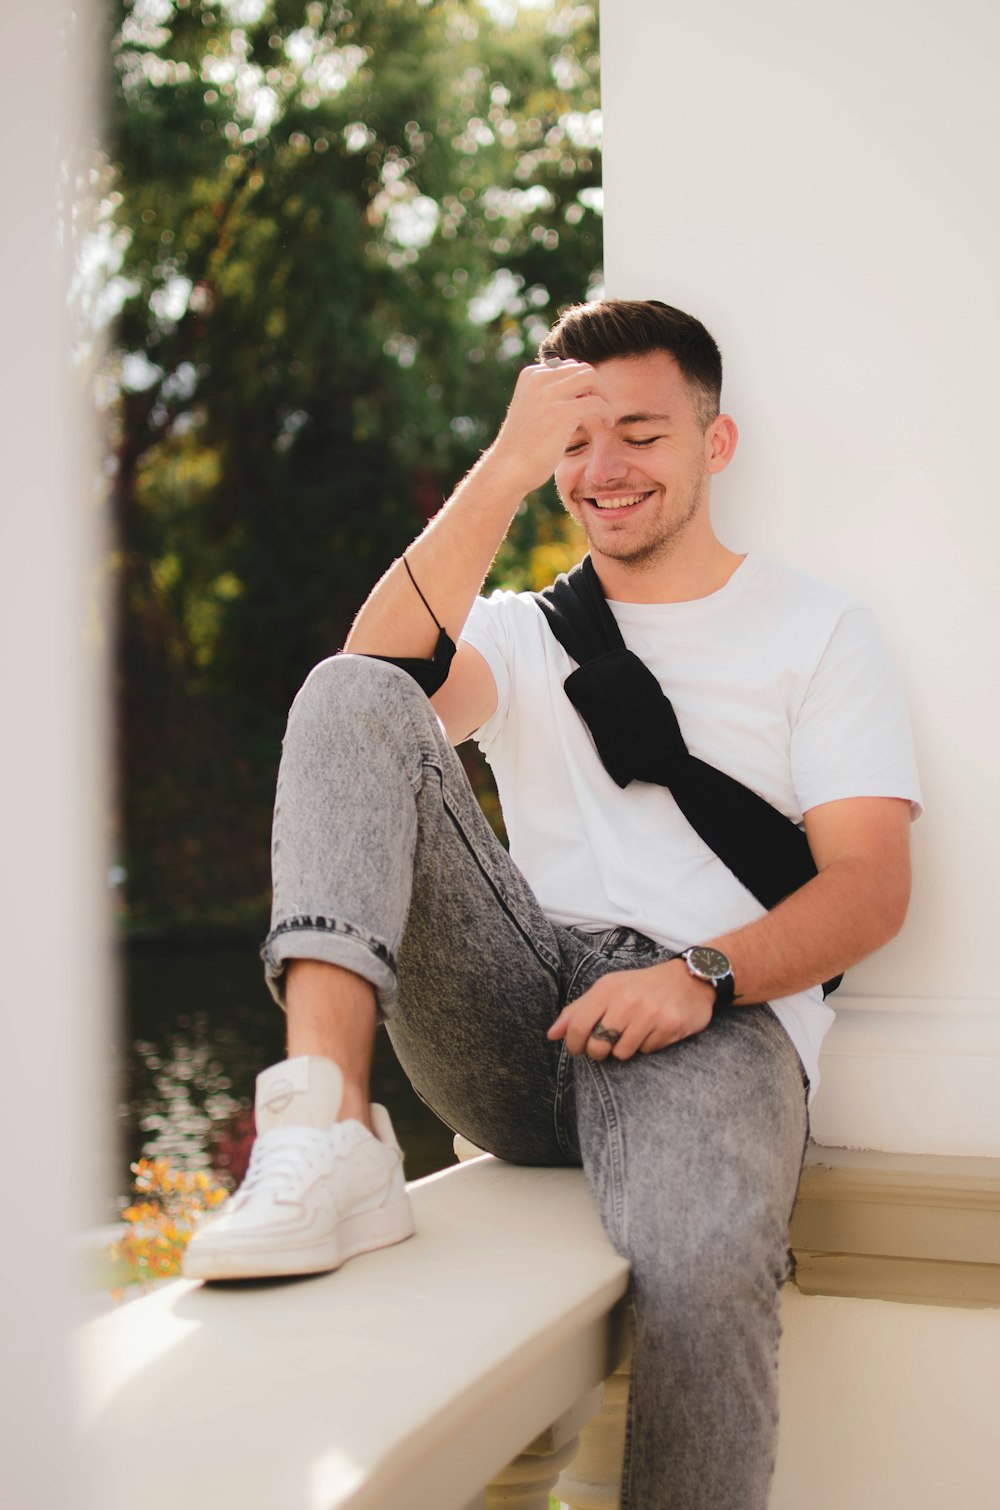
(280, 1157)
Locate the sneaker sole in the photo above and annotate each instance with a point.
(354, 1235)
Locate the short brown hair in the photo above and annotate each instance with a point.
(635, 327)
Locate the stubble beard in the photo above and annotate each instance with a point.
(661, 542)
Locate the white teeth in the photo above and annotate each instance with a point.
(618, 503)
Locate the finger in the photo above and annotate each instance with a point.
(585, 1014)
(640, 1028)
(578, 1039)
(603, 1040)
(564, 364)
(591, 404)
(653, 1040)
(560, 1028)
(569, 375)
(572, 386)
(608, 999)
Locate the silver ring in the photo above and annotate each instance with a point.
(609, 1035)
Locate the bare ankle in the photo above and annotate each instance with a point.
(355, 1107)
(331, 1012)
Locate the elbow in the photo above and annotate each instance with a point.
(894, 921)
(880, 900)
(894, 904)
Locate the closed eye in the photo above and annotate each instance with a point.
(647, 440)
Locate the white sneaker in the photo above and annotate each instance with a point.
(317, 1191)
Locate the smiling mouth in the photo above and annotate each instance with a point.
(622, 501)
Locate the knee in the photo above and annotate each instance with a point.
(363, 714)
(357, 677)
(353, 686)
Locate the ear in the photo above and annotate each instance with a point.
(720, 442)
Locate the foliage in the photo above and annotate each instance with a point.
(333, 231)
(162, 1220)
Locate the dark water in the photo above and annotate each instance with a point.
(199, 1025)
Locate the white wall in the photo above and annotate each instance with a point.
(52, 984)
(817, 186)
(886, 1406)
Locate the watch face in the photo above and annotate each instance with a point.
(709, 963)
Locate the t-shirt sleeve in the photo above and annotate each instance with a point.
(488, 631)
(852, 737)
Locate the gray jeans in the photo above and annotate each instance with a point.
(383, 863)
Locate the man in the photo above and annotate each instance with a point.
(540, 1002)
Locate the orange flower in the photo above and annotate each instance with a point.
(160, 1226)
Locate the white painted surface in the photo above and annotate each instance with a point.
(816, 186)
(406, 1379)
(51, 985)
(887, 1406)
(913, 1075)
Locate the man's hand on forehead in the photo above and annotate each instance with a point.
(551, 399)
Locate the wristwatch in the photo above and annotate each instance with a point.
(711, 965)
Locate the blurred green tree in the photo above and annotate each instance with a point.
(335, 232)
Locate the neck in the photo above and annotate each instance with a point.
(688, 570)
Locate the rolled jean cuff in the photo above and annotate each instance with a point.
(335, 943)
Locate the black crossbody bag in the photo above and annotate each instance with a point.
(637, 736)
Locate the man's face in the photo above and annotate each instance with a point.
(637, 480)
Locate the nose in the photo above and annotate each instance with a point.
(608, 461)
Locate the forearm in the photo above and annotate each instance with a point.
(449, 560)
(846, 912)
(452, 556)
(855, 904)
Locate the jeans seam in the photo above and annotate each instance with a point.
(563, 1070)
(423, 741)
(790, 1271)
(551, 965)
(616, 1151)
(584, 959)
(629, 1410)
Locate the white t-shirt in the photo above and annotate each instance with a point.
(778, 679)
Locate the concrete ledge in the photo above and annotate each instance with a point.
(910, 1227)
(408, 1378)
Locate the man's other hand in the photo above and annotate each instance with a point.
(650, 1009)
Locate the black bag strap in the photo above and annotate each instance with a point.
(635, 730)
(429, 675)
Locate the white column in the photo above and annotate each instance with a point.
(816, 185)
(528, 1481)
(593, 1478)
(52, 984)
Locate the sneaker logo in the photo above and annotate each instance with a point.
(280, 1097)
